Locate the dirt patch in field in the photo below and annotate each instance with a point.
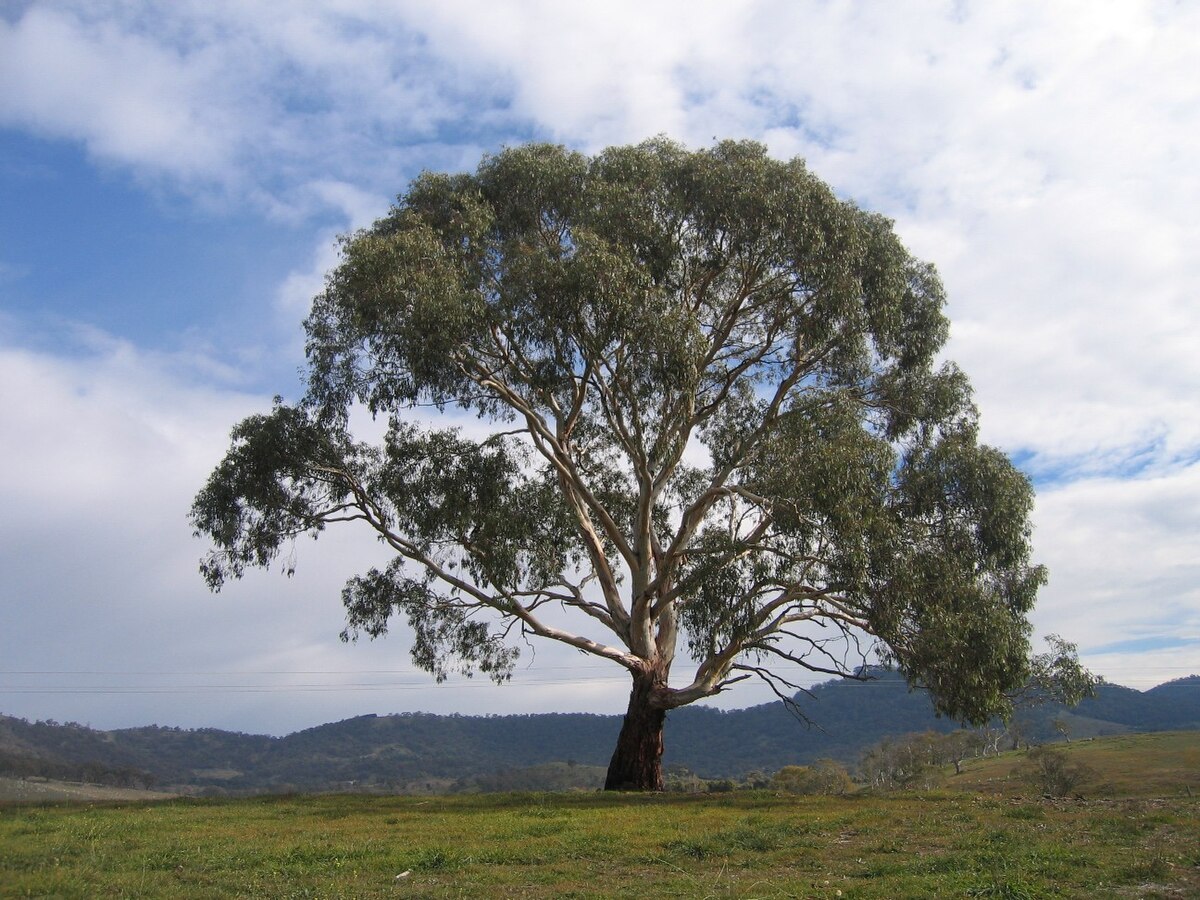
(20, 790)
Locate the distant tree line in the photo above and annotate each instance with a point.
(709, 749)
(14, 765)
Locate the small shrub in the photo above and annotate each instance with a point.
(752, 836)
(1153, 867)
(1051, 771)
(823, 777)
(681, 780)
(436, 859)
(1005, 889)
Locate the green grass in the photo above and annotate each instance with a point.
(576, 845)
(1140, 840)
(1160, 764)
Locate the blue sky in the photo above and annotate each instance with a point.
(83, 243)
(173, 176)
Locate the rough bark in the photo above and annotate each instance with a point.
(636, 764)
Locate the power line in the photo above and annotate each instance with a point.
(340, 688)
(254, 672)
(414, 679)
(277, 688)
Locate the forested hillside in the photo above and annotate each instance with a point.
(418, 751)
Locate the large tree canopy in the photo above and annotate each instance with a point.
(719, 421)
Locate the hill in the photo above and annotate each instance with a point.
(1158, 764)
(419, 752)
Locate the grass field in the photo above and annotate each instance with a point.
(952, 843)
(1161, 764)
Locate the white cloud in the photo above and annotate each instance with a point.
(126, 95)
(243, 102)
(103, 453)
(1123, 567)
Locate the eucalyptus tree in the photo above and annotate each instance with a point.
(719, 429)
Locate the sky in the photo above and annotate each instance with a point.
(173, 178)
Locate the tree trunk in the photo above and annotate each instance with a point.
(636, 764)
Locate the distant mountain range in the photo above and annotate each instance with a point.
(419, 751)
